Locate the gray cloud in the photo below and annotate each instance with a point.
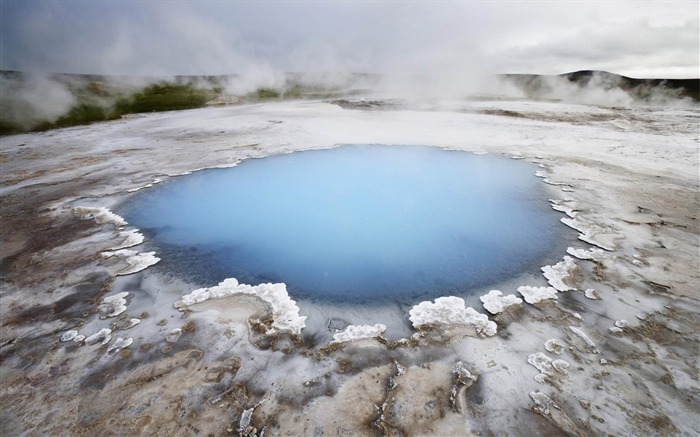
(636, 48)
(449, 42)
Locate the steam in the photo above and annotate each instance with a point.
(34, 98)
(388, 50)
(252, 77)
(601, 88)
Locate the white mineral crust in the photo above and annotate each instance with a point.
(558, 274)
(359, 332)
(495, 302)
(451, 310)
(285, 311)
(533, 295)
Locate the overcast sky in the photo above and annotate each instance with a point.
(634, 38)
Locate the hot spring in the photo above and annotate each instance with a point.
(354, 223)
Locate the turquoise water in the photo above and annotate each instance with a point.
(354, 223)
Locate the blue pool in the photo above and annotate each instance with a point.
(353, 223)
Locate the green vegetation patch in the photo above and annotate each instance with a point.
(165, 97)
(94, 98)
(75, 99)
(82, 113)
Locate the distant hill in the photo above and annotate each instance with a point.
(641, 89)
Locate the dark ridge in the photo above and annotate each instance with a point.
(690, 86)
(641, 89)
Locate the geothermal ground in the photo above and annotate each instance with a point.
(98, 339)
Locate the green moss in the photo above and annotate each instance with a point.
(266, 94)
(83, 113)
(9, 128)
(96, 103)
(292, 91)
(99, 99)
(164, 97)
(296, 91)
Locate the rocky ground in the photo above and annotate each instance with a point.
(92, 344)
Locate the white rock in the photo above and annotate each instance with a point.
(119, 344)
(462, 378)
(285, 312)
(131, 238)
(174, 335)
(622, 323)
(542, 402)
(554, 346)
(116, 303)
(245, 420)
(451, 310)
(591, 294)
(358, 332)
(541, 362)
(592, 254)
(137, 261)
(100, 215)
(585, 338)
(495, 302)
(105, 335)
(246, 416)
(533, 295)
(567, 206)
(591, 234)
(546, 366)
(133, 322)
(69, 335)
(561, 366)
(559, 274)
(462, 372)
